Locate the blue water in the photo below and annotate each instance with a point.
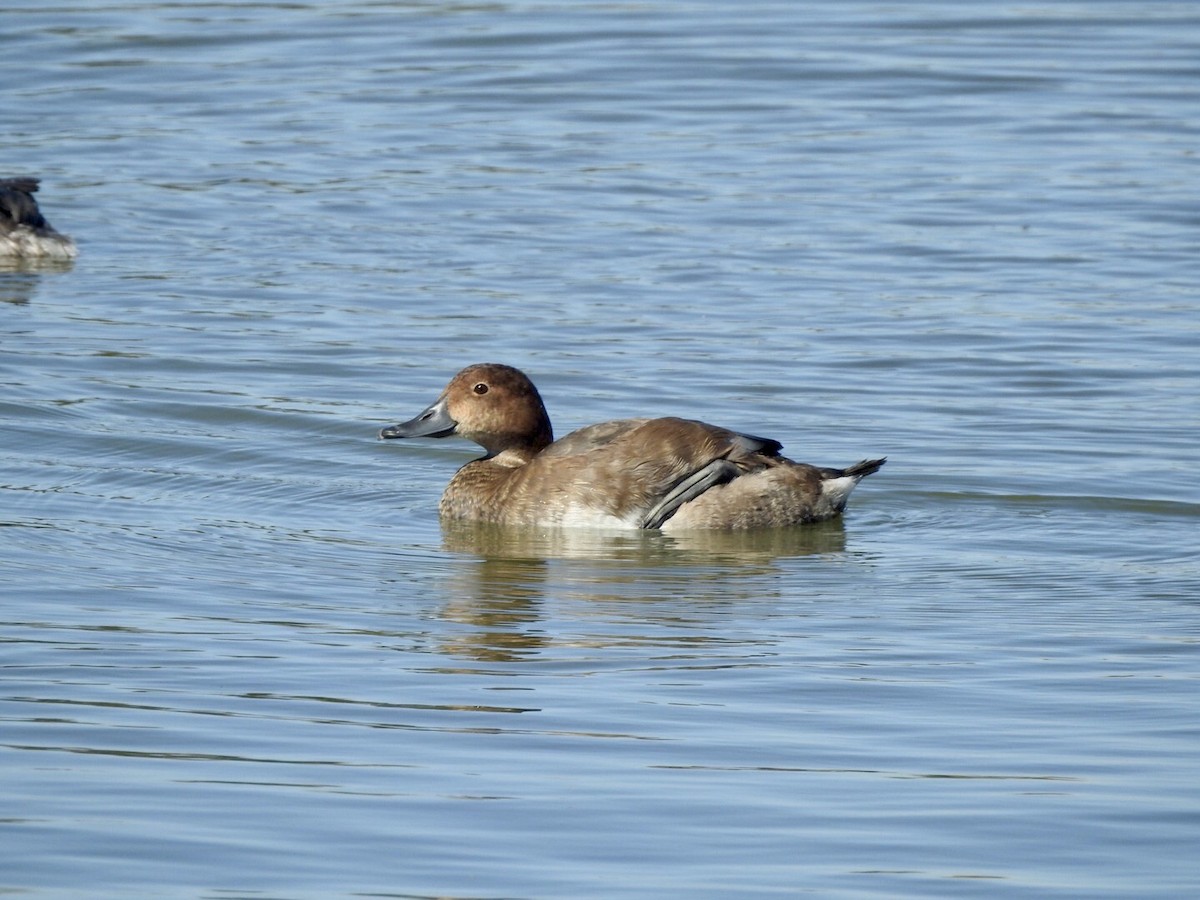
(242, 658)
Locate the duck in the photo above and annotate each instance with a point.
(671, 474)
(24, 231)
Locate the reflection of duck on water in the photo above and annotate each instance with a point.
(24, 231)
(648, 549)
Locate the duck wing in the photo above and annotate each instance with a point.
(643, 470)
(708, 456)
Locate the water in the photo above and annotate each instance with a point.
(242, 658)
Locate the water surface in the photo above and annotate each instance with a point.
(241, 656)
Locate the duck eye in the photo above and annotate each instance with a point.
(481, 388)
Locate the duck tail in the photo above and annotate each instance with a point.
(864, 468)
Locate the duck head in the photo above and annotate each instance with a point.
(494, 405)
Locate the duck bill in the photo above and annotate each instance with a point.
(434, 422)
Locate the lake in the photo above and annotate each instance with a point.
(242, 658)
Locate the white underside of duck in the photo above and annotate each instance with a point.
(24, 242)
